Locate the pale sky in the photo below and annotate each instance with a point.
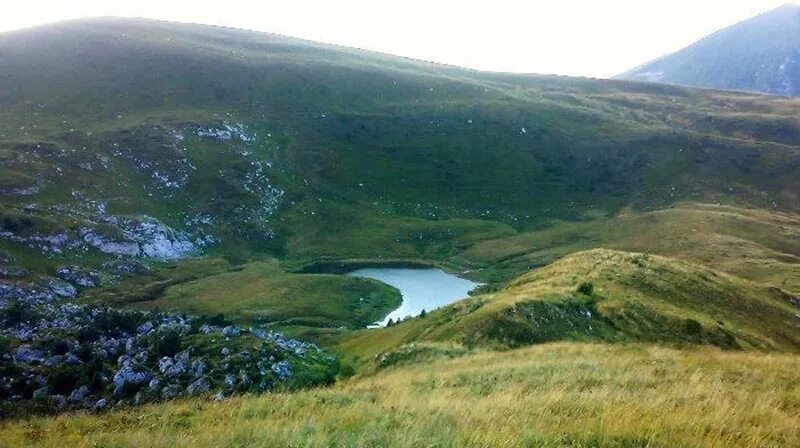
(598, 38)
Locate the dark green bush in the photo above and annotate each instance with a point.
(586, 288)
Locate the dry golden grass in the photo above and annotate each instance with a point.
(562, 394)
(758, 245)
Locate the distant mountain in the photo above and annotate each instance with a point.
(761, 54)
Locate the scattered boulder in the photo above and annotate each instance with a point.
(41, 393)
(58, 401)
(100, 404)
(198, 387)
(101, 353)
(26, 354)
(230, 380)
(173, 367)
(283, 370)
(53, 361)
(124, 345)
(145, 328)
(230, 331)
(154, 384)
(79, 277)
(171, 391)
(128, 376)
(7, 259)
(244, 379)
(198, 368)
(206, 329)
(78, 395)
(71, 358)
(13, 272)
(125, 267)
(58, 287)
(24, 293)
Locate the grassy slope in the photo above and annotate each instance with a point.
(551, 395)
(636, 297)
(754, 244)
(355, 134)
(255, 292)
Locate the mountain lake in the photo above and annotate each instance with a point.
(421, 288)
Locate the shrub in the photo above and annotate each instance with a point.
(165, 343)
(586, 288)
(15, 312)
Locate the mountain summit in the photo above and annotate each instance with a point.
(761, 54)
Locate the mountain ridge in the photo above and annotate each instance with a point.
(755, 55)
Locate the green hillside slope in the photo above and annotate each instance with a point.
(243, 142)
(596, 295)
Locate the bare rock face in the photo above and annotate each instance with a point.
(139, 237)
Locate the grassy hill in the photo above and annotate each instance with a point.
(255, 293)
(552, 395)
(629, 297)
(267, 144)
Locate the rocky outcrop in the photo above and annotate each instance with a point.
(135, 357)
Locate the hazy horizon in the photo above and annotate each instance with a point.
(574, 38)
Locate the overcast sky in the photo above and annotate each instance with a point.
(597, 38)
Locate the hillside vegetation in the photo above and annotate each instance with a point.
(135, 137)
(599, 295)
(755, 244)
(553, 395)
